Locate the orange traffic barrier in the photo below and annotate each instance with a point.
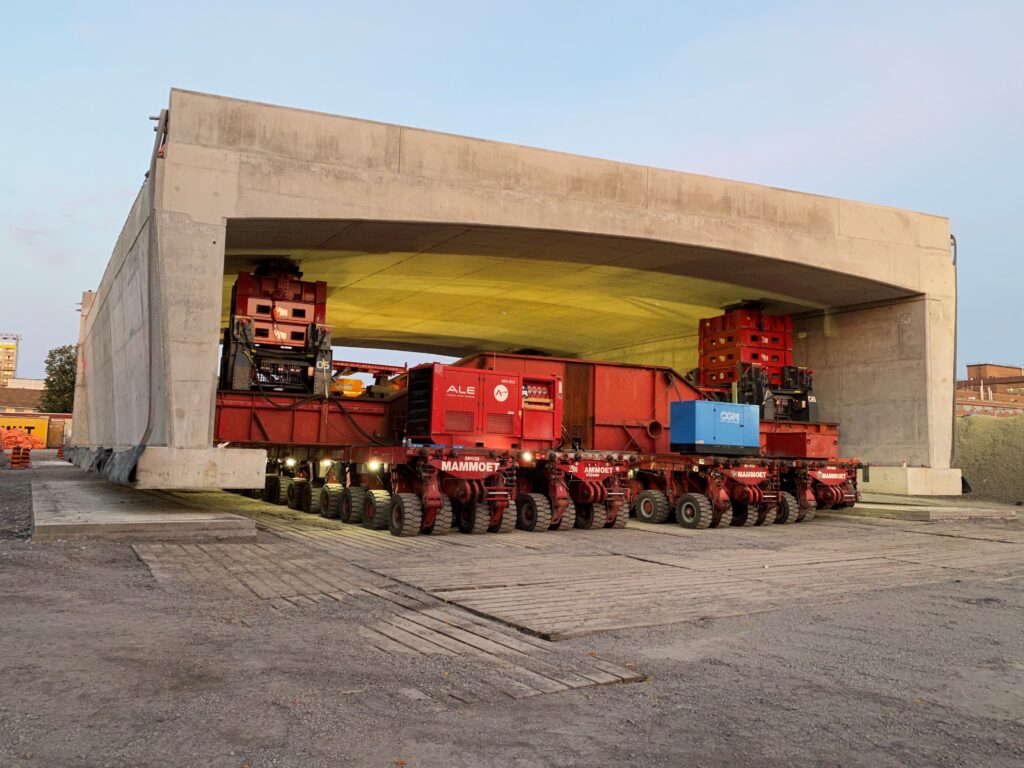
(20, 457)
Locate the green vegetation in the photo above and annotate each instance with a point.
(59, 394)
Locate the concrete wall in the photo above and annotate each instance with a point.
(145, 415)
(112, 397)
(872, 374)
(234, 159)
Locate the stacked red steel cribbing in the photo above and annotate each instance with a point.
(743, 336)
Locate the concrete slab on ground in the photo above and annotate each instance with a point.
(928, 509)
(84, 507)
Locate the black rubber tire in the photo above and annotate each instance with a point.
(330, 500)
(587, 517)
(723, 519)
(283, 484)
(295, 493)
(306, 498)
(789, 509)
(600, 516)
(375, 510)
(351, 504)
(767, 515)
(443, 519)
(405, 516)
(809, 513)
(652, 507)
(475, 518)
(694, 511)
(621, 517)
(534, 512)
(272, 489)
(744, 514)
(508, 519)
(568, 517)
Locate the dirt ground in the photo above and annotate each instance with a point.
(990, 451)
(101, 666)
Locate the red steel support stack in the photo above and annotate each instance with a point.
(744, 336)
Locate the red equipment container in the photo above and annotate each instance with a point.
(800, 439)
(451, 405)
(297, 426)
(608, 406)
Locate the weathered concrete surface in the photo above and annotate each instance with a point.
(432, 241)
(926, 508)
(184, 468)
(990, 450)
(95, 509)
(913, 481)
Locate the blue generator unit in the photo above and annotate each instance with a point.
(706, 426)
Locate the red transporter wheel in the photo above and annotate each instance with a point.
(745, 514)
(534, 512)
(443, 519)
(405, 517)
(789, 510)
(508, 520)
(621, 517)
(353, 501)
(474, 518)
(375, 516)
(809, 512)
(694, 511)
(330, 500)
(272, 489)
(568, 520)
(652, 506)
(295, 493)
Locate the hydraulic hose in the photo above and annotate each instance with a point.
(355, 424)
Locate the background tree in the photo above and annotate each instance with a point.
(59, 394)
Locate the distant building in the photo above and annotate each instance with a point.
(995, 390)
(20, 400)
(8, 356)
(17, 383)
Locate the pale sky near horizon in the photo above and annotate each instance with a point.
(918, 105)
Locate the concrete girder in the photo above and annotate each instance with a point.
(426, 238)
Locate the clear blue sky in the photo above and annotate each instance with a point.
(918, 105)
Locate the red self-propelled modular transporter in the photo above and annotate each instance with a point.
(413, 454)
(614, 409)
(459, 435)
(747, 356)
(612, 414)
(619, 413)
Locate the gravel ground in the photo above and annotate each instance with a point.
(15, 504)
(100, 667)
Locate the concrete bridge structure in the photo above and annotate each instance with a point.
(454, 245)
